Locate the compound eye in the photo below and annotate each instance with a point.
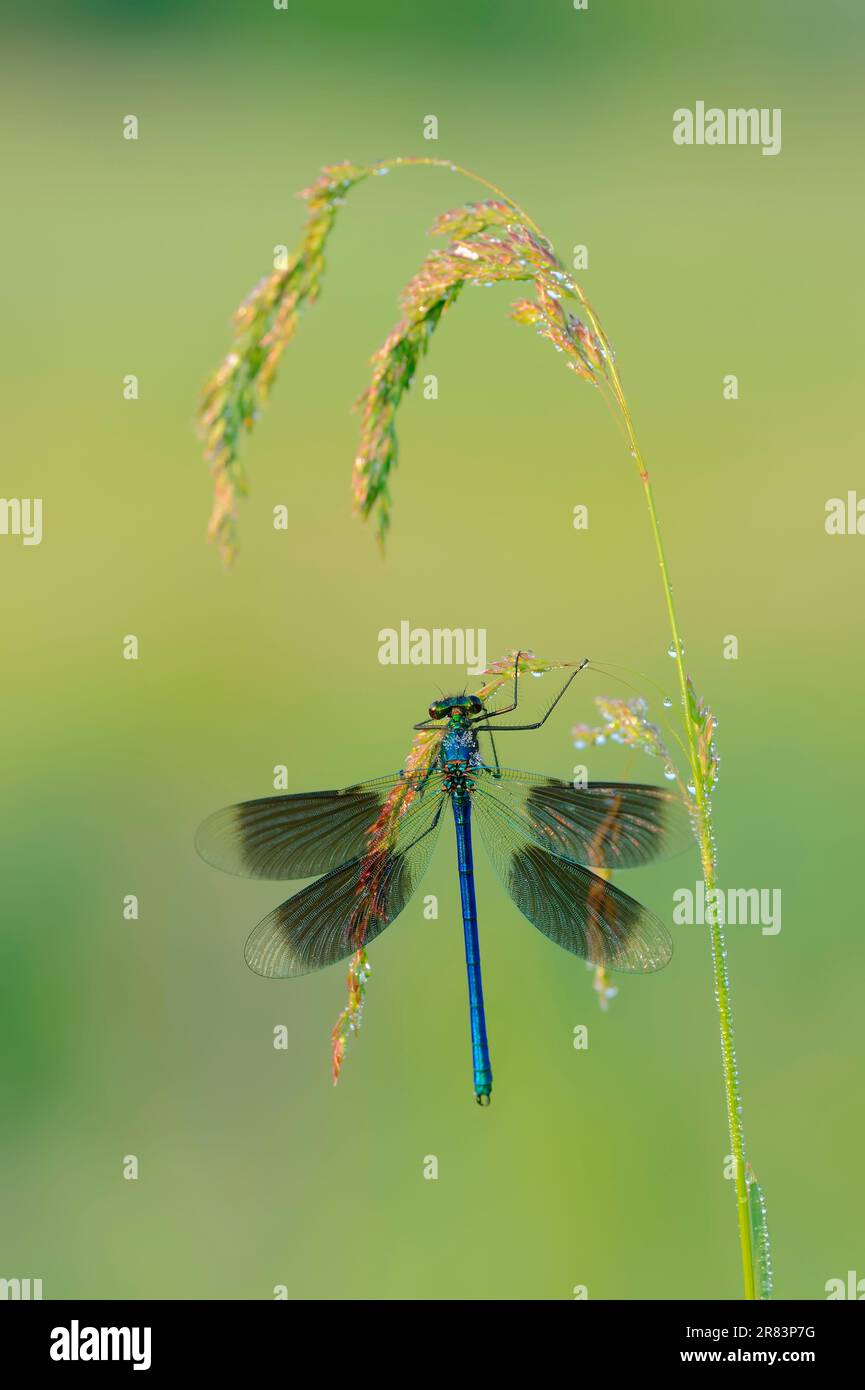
(435, 712)
(476, 704)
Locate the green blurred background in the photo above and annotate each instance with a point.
(602, 1168)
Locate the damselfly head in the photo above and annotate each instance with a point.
(455, 705)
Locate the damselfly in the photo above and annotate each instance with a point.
(373, 841)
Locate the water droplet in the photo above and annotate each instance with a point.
(668, 703)
(671, 650)
(670, 772)
(379, 172)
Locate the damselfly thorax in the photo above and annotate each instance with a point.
(460, 754)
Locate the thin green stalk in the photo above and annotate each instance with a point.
(431, 161)
(704, 825)
(703, 808)
(707, 855)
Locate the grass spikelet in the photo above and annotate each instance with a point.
(394, 367)
(417, 766)
(349, 1021)
(490, 245)
(264, 325)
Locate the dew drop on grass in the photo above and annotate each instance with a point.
(760, 1232)
(671, 650)
(668, 703)
(670, 772)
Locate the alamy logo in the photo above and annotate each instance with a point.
(21, 516)
(735, 126)
(731, 907)
(76, 1343)
(852, 1287)
(845, 518)
(439, 646)
(20, 1288)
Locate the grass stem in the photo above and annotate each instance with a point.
(730, 1073)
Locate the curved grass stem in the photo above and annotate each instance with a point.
(433, 162)
(707, 855)
(701, 796)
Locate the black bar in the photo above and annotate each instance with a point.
(317, 1339)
